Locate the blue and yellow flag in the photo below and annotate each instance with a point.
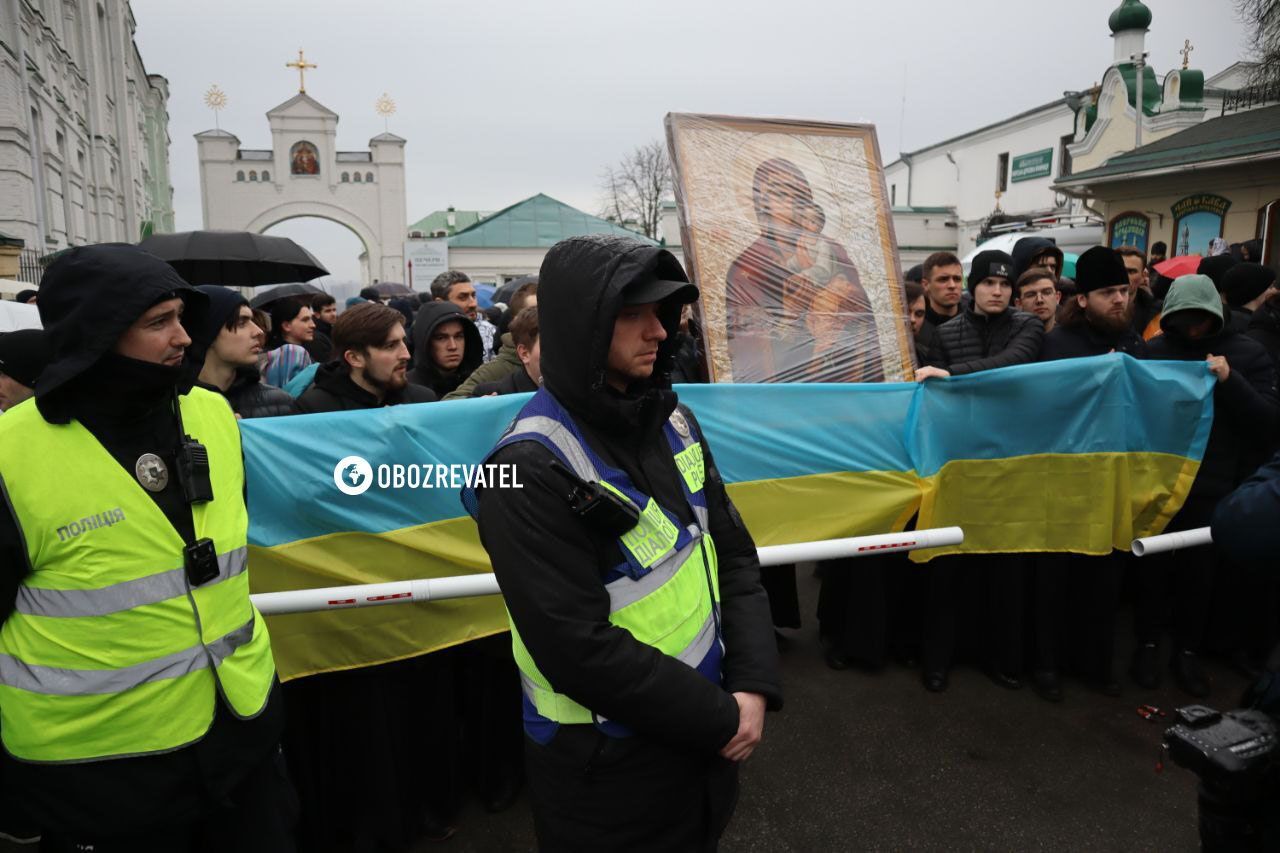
(1081, 455)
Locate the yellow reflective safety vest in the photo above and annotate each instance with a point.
(110, 652)
(667, 593)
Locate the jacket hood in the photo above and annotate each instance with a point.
(1216, 268)
(580, 290)
(430, 316)
(91, 295)
(1193, 292)
(1027, 248)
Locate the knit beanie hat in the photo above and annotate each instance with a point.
(989, 263)
(1216, 268)
(1245, 282)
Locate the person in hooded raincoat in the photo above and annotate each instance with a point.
(137, 687)
(447, 347)
(632, 743)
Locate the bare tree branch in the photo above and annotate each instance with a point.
(635, 188)
(1261, 19)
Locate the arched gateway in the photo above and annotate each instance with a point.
(303, 174)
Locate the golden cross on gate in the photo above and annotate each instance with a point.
(302, 65)
(1186, 53)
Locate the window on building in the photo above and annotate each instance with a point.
(893, 195)
(253, 175)
(266, 176)
(357, 178)
(1064, 156)
(368, 177)
(1002, 172)
(240, 175)
(346, 178)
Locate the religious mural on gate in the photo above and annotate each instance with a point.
(1197, 220)
(788, 235)
(303, 159)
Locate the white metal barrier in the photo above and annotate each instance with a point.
(1148, 545)
(466, 586)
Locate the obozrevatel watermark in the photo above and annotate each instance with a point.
(353, 475)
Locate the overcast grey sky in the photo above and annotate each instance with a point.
(501, 100)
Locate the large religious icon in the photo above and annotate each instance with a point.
(787, 232)
(303, 159)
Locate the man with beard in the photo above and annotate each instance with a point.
(1097, 320)
(370, 369)
(1246, 408)
(231, 342)
(1074, 597)
(137, 687)
(638, 620)
(446, 347)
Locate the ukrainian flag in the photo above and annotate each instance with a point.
(1081, 455)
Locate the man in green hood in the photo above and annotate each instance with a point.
(1246, 411)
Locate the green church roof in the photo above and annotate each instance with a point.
(439, 221)
(1130, 15)
(538, 222)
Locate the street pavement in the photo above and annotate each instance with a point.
(859, 761)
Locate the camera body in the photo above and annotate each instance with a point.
(1229, 748)
(1234, 754)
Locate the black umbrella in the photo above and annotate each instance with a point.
(392, 288)
(284, 291)
(234, 258)
(503, 294)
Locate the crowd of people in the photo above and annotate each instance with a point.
(1019, 617)
(1035, 617)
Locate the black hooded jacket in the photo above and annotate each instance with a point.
(89, 297)
(1028, 248)
(425, 372)
(550, 562)
(1246, 407)
(334, 391)
(515, 382)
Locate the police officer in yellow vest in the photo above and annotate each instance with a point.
(139, 707)
(639, 625)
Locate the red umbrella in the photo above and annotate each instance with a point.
(1181, 265)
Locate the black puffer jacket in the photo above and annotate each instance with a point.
(551, 563)
(1246, 407)
(425, 372)
(250, 397)
(971, 342)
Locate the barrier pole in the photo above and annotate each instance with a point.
(468, 586)
(1148, 545)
